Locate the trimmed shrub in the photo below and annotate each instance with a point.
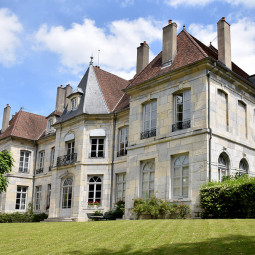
(22, 217)
(231, 198)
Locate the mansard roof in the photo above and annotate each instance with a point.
(25, 125)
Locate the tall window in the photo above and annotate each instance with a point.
(70, 151)
(243, 166)
(148, 173)
(95, 190)
(74, 103)
(41, 159)
(50, 123)
(182, 111)
(52, 155)
(120, 186)
(67, 193)
(21, 198)
(48, 197)
(149, 120)
(222, 110)
(123, 142)
(181, 176)
(97, 148)
(223, 166)
(24, 161)
(241, 119)
(38, 192)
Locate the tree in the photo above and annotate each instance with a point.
(6, 163)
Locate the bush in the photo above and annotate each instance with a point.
(21, 217)
(119, 208)
(231, 198)
(156, 208)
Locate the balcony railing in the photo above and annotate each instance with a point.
(67, 159)
(181, 125)
(39, 171)
(148, 133)
(96, 154)
(121, 153)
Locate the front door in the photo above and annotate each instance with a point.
(66, 198)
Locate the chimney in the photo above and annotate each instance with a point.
(69, 91)
(224, 42)
(142, 57)
(60, 100)
(169, 43)
(6, 118)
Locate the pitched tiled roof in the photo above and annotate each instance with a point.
(55, 113)
(189, 50)
(123, 103)
(111, 86)
(25, 125)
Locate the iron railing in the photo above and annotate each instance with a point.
(181, 125)
(122, 152)
(148, 133)
(96, 154)
(39, 171)
(67, 159)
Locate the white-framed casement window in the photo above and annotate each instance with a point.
(21, 198)
(120, 186)
(149, 120)
(70, 157)
(97, 148)
(123, 142)
(24, 161)
(48, 197)
(38, 195)
(74, 103)
(95, 190)
(41, 159)
(52, 157)
(181, 111)
(180, 176)
(242, 119)
(67, 188)
(243, 166)
(50, 123)
(223, 166)
(222, 110)
(148, 175)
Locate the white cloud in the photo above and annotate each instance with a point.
(175, 3)
(117, 44)
(247, 3)
(242, 41)
(10, 27)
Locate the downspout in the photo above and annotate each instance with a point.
(113, 151)
(35, 161)
(209, 121)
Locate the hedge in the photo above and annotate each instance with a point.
(233, 198)
(22, 217)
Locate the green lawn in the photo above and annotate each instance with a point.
(130, 237)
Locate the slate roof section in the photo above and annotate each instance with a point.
(26, 125)
(55, 113)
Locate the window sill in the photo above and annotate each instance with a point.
(180, 199)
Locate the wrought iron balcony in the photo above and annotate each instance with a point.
(148, 133)
(67, 159)
(39, 171)
(181, 125)
(121, 153)
(96, 154)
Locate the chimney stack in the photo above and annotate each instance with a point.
(69, 91)
(6, 118)
(224, 42)
(62, 94)
(142, 57)
(169, 43)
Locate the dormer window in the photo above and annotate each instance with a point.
(74, 104)
(50, 123)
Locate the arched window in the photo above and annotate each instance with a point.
(181, 176)
(243, 166)
(95, 190)
(148, 171)
(223, 165)
(67, 193)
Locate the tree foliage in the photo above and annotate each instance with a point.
(6, 163)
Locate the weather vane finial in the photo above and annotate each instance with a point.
(91, 61)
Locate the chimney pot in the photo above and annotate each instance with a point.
(61, 86)
(7, 105)
(170, 21)
(223, 18)
(6, 118)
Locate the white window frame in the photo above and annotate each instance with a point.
(120, 186)
(243, 166)
(148, 169)
(52, 157)
(74, 103)
(50, 123)
(22, 163)
(38, 196)
(96, 150)
(48, 196)
(123, 141)
(94, 182)
(148, 108)
(184, 159)
(223, 169)
(22, 203)
(67, 190)
(41, 159)
(184, 105)
(70, 147)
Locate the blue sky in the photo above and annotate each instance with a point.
(46, 43)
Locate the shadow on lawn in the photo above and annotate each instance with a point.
(233, 244)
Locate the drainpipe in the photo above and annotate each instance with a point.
(35, 161)
(209, 120)
(113, 148)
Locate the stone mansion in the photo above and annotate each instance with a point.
(185, 118)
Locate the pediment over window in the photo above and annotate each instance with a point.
(69, 137)
(97, 132)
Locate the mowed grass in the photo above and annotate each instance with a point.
(130, 237)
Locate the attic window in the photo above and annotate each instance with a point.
(74, 104)
(50, 123)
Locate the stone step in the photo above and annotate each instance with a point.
(58, 219)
